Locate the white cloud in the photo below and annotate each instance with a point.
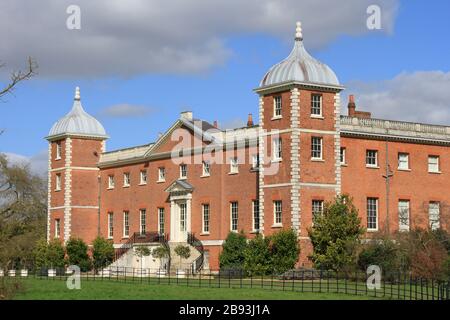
(38, 163)
(125, 111)
(421, 96)
(158, 36)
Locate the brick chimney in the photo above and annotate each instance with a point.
(352, 109)
(250, 120)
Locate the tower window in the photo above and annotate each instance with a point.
(277, 211)
(58, 150)
(277, 107)
(342, 156)
(57, 228)
(58, 182)
(316, 148)
(277, 149)
(316, 105)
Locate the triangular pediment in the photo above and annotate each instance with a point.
(180, 186)
(196, 130)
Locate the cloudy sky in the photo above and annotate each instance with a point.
(140, 62)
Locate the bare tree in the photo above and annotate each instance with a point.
(19, 76)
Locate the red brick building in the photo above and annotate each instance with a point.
(197, 179)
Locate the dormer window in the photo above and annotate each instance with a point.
(277, 107)
(316, 105)
(58, 150)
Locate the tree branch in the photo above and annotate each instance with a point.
(19, 76)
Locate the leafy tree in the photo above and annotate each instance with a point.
(284, 250)
(335, 235)
(184, 252)
(161, 253)
(23, 210)
(232, 255)
(54, 257)
(102, 253)
(77, 252)
(257, 257)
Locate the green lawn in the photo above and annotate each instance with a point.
(42, 289)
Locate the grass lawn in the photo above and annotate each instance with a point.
(38, 289)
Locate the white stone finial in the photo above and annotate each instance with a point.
(77, 93)
(298, 31)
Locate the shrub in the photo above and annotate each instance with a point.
(335, 235)
(232, 255)
(102, 253)
(54, 255)
(257, 257)
(77, 252)
(284, 250)
(383, 253)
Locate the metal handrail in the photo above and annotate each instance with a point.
(197, 264)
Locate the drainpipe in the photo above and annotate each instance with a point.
(99, 198)
(387, 177)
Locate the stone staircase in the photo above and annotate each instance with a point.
(185, 264)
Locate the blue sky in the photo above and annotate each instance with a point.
(388, 70)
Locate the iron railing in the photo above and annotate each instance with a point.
(197, 264)
(138, 237)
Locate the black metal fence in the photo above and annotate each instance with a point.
(399, 286)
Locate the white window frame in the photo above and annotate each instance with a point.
(316, 208)
(277, 107)
(126, 224)
(161, 221)
(57, 228)
(314, 105)
(404, 213)
(161, 174)
(255, 161)
(183, 171)
(183, 216)
(369, 217)
(110, 225)
(277, 213)
(368, 156)
(437, 164)
(206, 169)
(342, 155)
(255, 213)
(206, 218)
(111, 182)
(434, 213)
(234, 165)
(403, 164)
(313, 150)
(277, 149)
(142, 221)
(234, 216)
(143, 177)
(58, 150)
(58, 182)
(126, 179)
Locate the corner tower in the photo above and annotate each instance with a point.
(299, 113)
(75, 144)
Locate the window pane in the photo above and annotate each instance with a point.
(403, 215)
(372, 212)
(316, 148)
